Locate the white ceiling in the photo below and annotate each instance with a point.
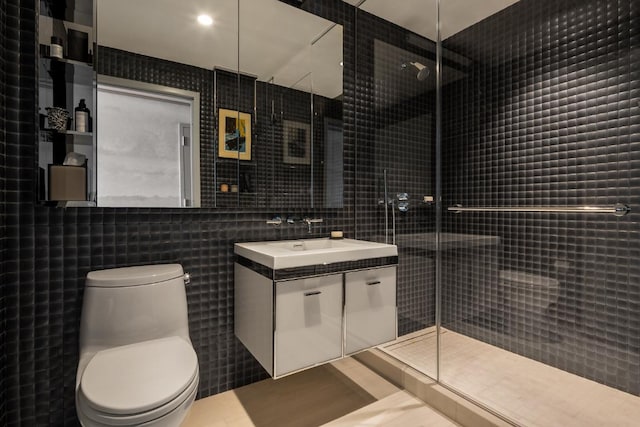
(420, 16)
(274, 38)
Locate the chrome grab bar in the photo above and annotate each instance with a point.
(618, 209)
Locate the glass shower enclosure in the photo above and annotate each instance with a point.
(503, 138)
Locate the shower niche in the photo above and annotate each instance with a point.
(66, 102)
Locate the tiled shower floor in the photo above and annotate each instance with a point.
(527, 392)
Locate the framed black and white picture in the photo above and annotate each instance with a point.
(296, 148)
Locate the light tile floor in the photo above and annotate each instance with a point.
(527, 392)
(400, 409)
(341, 394)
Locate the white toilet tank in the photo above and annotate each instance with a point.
(133, 304)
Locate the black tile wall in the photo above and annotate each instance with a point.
(344, 14)
(3, 126)
(286, 185)
(396, 134)
(548, 113)
(491, 157)
(232, 92)
(17, 58)
(392, 133)
(49, 251)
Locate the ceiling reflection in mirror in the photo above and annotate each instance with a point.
(277, 64)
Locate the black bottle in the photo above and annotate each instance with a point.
(82, 117)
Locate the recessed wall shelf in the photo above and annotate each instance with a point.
(66, 84)
(68, 61)
(68, 132)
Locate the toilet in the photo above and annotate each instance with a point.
(527, 293)
(137, 364)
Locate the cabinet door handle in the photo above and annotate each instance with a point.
(377, 282)
(308, 294)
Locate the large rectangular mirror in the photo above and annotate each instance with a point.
(268, 82)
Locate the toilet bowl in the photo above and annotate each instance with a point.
(137, 364)
(528, 293)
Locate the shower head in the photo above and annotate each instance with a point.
(423, 71)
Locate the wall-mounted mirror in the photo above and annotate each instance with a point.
(269, 81)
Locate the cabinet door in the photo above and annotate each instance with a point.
(308, 322)
(370, 308)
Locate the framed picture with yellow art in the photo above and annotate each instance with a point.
(234, 134)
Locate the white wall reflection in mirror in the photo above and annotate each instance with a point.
(146, 147)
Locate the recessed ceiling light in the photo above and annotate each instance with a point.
(341, 64)
(205, 20)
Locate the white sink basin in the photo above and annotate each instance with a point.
(305, 252)
(311, 244)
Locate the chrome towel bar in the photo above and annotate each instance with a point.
(618, 209)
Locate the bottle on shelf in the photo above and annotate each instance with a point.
(82, 117)
(55, 49)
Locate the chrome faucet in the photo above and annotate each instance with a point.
(276, 220)
(310, 221)
(292, 219)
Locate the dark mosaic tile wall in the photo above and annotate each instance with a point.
(396, 132)
(272, 181)
(344, 14)
(3, 125)
(49, 251)
(548, 113)
(233, 92)
(533, 104)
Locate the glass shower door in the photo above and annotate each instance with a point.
(395, 117)
(539, 256)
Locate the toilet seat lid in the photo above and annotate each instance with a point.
(133, 276)
(139, 377)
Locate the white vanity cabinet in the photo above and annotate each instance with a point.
(370, 308)
(297, 323)
(308, 322)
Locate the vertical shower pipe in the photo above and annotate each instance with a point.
(312, 124)
(271, 96)
(346, 63)
(389, 201)
(438, 159)
(216, 183)
(393, 221)
(386, 208)
(238, 111)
